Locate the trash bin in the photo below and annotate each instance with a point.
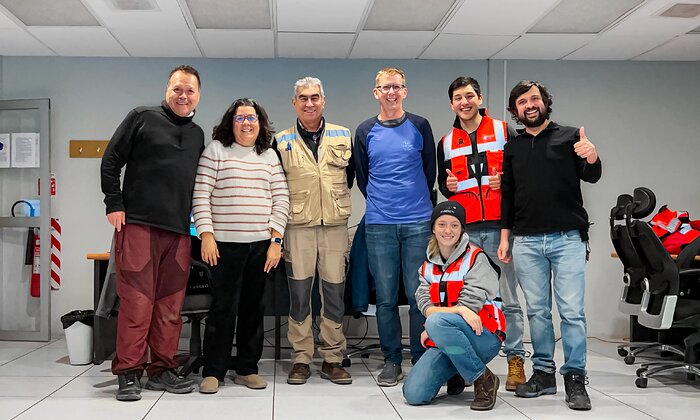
(78, 328)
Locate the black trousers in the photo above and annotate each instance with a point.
(238, 287)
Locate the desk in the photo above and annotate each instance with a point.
(105, 329)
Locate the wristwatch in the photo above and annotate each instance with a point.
(277, 241)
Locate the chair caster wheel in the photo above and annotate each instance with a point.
(629, 360)
(640, 371)
(641, 382)
(622, 352)
(346, 362)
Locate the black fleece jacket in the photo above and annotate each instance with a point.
(161, 151)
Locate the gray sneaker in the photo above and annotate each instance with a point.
(391, 374)
(129, 387)
(169, 381)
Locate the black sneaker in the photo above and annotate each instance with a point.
(129, 387)
(576, 395)
(170, 382)
(390, 375)
(540, 383)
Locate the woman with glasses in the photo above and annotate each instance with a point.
(240, 207)
(464, 326)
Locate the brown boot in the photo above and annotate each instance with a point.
(485, 389)
(335, 373)
(516, 373)
(299, 374)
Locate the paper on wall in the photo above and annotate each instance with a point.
(24, 150)
(4, 150)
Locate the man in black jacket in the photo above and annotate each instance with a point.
(543, 206)
(160, 147)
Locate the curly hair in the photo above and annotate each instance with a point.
(522, 87)
(224, 131)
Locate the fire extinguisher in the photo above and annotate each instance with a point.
(31, 255)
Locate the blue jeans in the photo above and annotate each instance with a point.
(459, 349)
(391, 248)
(488, 240)
(554, 261)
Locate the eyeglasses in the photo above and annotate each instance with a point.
(240, 118)
(388, 88)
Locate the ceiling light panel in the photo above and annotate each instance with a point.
(230, 14)
(682, 10)
(502, 17)
(50, 13)
(319, 15)
(583, 16)
(407, 15)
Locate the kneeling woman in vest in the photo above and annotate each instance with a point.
(464, 325)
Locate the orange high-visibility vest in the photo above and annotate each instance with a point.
(473, 192)
(446, 286)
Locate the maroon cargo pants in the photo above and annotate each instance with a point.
(153, 266)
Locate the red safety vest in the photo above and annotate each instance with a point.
(674, 229)
(473, 192)
(446, 286)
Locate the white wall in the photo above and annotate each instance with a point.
(643, 117)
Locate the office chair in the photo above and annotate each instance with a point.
(665, 300)
(634, 269)
(194, 309)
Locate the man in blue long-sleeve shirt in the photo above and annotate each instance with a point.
(395, 164)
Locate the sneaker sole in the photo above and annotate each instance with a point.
(346, 381)
(160, 387)
(388, 384)
(130, 397)
(573, 407)
(546, 391)
(297, 381)
(244, 383)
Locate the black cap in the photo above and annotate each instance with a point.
(451, 208)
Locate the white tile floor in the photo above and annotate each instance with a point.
(37, 382)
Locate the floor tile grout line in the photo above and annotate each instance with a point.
(47, 396)
(153, 406)
(381, 388)
(27, 354)
(621, 402)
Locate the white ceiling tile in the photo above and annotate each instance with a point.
(5, 21)
(646, 21)
(157, 42)
(614, 47)
(230, 14)
(502, 17)
(79, 41)
(228, 43)
(583, 16)
(466, 47)
(319, 15)
(391, 44)
(543, 46)
(682, 48)
(17, 42)
(50, 13)
(167, 15)
(304, 45)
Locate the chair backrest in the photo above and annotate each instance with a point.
(198, 293)
(633, 267)
(661, 279)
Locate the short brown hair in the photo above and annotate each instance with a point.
(389, 71)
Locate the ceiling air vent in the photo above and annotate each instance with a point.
(133, 4)
(682, 10)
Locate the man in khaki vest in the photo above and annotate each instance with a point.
(316, 157)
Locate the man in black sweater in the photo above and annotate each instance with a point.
(543, 206)
(160, 147)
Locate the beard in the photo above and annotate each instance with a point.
(542, 116)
